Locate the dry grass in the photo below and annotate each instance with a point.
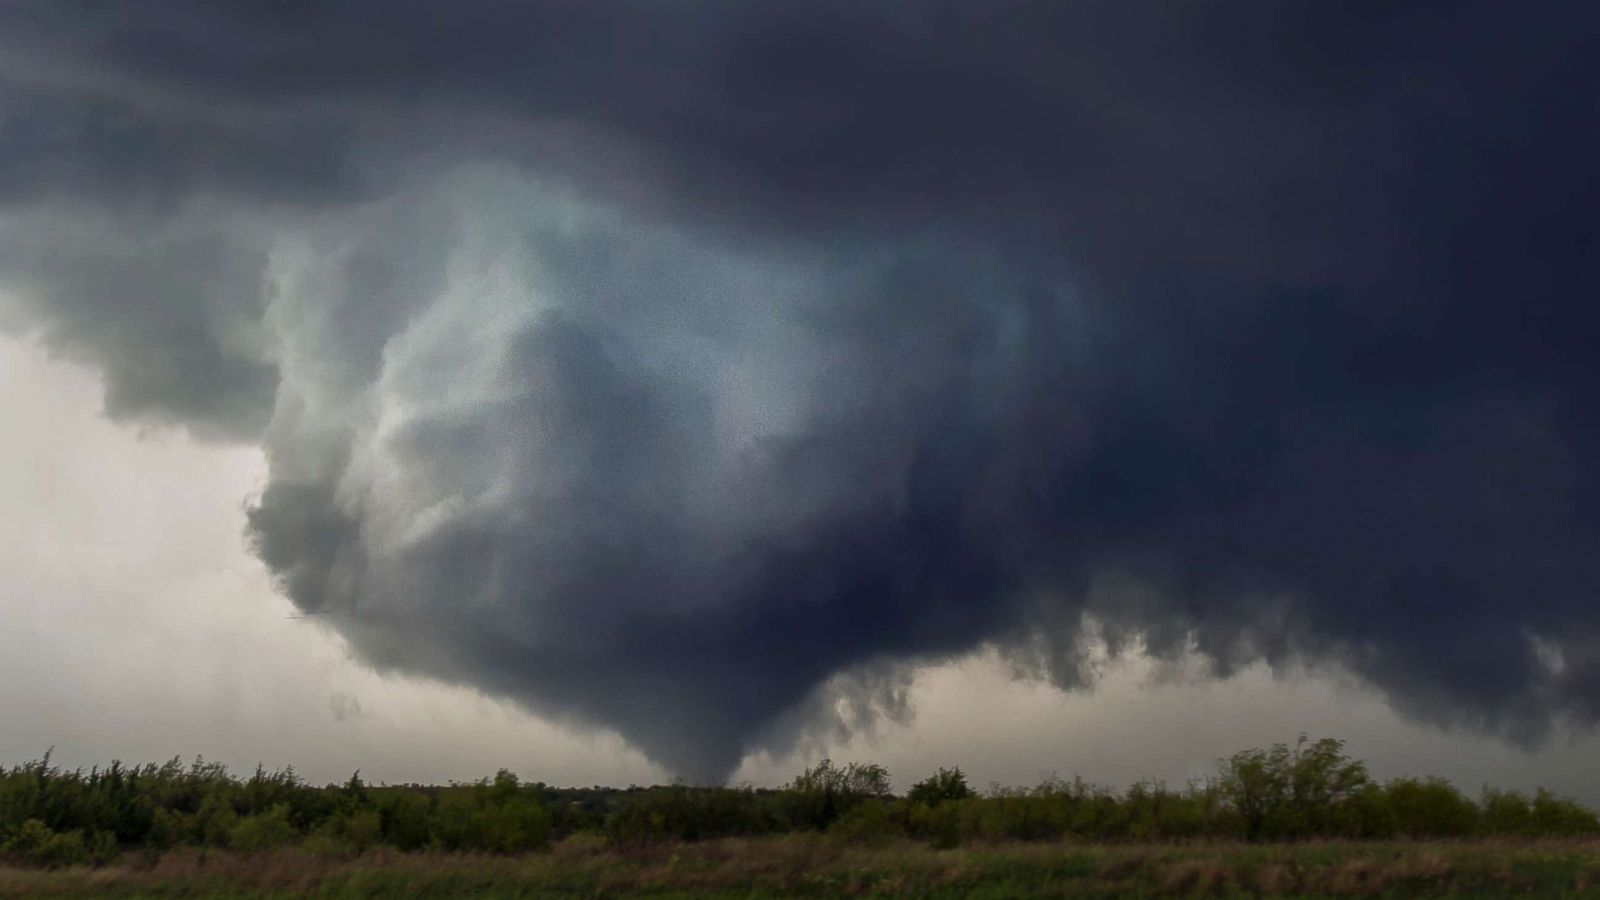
(1194, 876)
(1274, 878)
(1357, 876)
(801, 865)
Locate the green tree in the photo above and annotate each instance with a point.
(1284, 792)
(262, 831)
(821, 794)
(946, 784)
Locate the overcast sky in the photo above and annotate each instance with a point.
(633, 390)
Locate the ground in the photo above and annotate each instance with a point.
(808, 866)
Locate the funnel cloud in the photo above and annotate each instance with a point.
(693, 370)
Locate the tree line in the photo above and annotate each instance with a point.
(52, 816)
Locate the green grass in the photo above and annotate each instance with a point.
(814, 866)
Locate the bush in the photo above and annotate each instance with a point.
(872, 823)
(1152, 812)
(500, 816)
(262, 831)
(939, 825)
(1430, 807)
(1506, 812)
(405, 819)
(1284, 793)
(1557, 815)
(52, 817)
(946, 784)
(1366, 815)
(39, 845)
(510, 827)
(820, 795)
(681, 812)
(213, 822)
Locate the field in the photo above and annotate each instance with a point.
(1302, 821)
(824, 866)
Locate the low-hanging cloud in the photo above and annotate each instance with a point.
(677, 369)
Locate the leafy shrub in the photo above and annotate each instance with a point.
(946, 784)
(53, 817)
(1430, 807)
(872, 823)
(820, 795)
(1556, 815)
(1150, 811)
(681, 812)
(939, 825)
(500, 816)
(39, 845)
(262, 831)
(1506, 812)
(405, 819)
(1284, 793)
(213, 822)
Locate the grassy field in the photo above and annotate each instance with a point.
(816, 866)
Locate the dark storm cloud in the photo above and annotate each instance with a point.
(655, 364)
(169, 311)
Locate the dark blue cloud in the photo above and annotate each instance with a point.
(840, 335)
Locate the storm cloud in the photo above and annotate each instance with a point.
(683, 369)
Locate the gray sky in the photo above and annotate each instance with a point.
(166, 638)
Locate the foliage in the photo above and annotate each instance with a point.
(1430, 807)
(873, 823)
(680, 812)
(50, 817)
(820, 795)
(946, 784)
(501, 816)
(38, 844)
(262, 830)
(1293, 793)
